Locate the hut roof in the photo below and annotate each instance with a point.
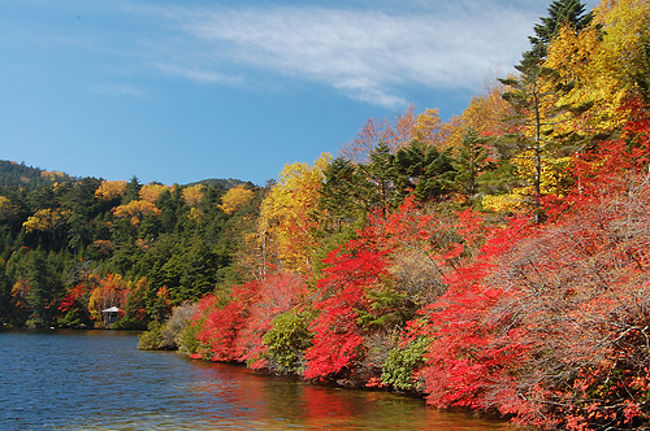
(113, 309)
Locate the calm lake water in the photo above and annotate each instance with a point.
(97, 380)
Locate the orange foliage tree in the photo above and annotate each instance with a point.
(110, 291)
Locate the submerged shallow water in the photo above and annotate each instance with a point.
(98, 380)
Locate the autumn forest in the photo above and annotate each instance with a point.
(498, 261)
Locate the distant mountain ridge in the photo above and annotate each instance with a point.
(13, 174)
(227, 184)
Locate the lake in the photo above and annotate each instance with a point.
(98, 380)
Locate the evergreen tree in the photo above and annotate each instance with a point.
(381, 173)
(423, 170)
(41, 292)
(132, 190)
(469, 164)
(342, 195)
(526, 94)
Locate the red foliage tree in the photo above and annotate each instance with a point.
(232, 329)
(277, 294)
(221, 323)
(337, 334)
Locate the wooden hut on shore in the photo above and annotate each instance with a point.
(111, 315)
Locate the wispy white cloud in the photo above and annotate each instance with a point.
(368, 55)
(117, 90)
(196, 73)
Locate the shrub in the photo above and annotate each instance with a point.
(287, 341)
(403, 362)
(187, 342)
(152, 339)
(166, 336)
(177, 322)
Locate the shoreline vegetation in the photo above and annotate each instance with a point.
(497, 262)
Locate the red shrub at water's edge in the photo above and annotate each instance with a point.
(337, 335)
(221, 323)
(234, 330)
(277, 294)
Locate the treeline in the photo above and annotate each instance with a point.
(498, 261)
(71, 248)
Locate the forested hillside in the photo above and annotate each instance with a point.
(73, 247)
(498, 261)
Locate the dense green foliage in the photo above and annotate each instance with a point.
(287, 341)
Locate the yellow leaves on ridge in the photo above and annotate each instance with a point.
(192, 195)
(235, 198)
(109, 190)
(151, 192)
(52, 175)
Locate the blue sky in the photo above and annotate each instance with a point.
(182, 91)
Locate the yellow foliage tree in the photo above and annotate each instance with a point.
(286, 215)
(109, 190)
(46, 219)
(580, 92)
(554, 181)
(625, 27)
(594, 69)
(430, 129)
(136, 210)
(192, 195)
(196, 215)
(19, 292)
(151, 192)
(8, 210)
(235, 198)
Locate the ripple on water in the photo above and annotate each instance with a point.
(98, 380)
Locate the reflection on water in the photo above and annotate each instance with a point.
(97, 380)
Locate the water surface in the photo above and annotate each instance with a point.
(98, 380)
